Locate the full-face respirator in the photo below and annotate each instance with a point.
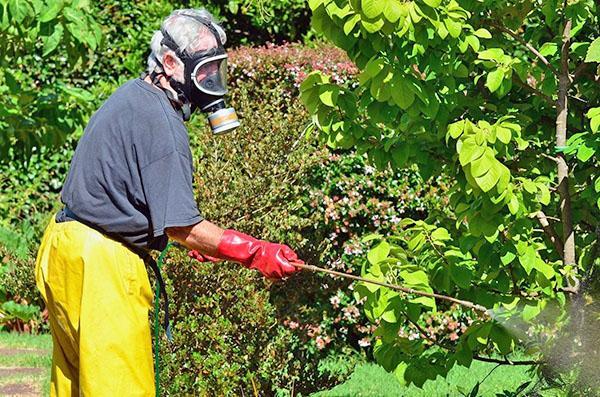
(205, 82)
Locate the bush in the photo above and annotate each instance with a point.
(247, 180)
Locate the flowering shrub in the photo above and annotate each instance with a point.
(288, 63)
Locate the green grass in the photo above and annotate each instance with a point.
(36, 353)
(367, 379)
(372, 380)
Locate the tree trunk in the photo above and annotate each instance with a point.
(564, 83)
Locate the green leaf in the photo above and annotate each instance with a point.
(488, 180)
(593, 53)
(311, 80)
(531, 311)
(529, 186)
(393, 10)
(351, 23)
(513, 204)
(371, 237)
(461, 275)
(595, 123)
(544, 268)
(389, 316)
(415, 278)
(51, 11)
(374, 26)
(314, 4)
(507, 258)
(19, 10)
(503, 134)
(456, 129)
(473, 41)
(548, 49)
(482, 165)
(584, 153)
(483, 33)
(501, 339)
(543, 195)
(528, 259)
(454, 28)
(372, 8)
(491, 54)
(52, 41)
(425, 301)
(372, 69)
(329, 95)
(379, 252)
(73, 15)
(416, 242)
(494, 79)
(593, 112)
(440, 234)
(402, 93)
(433, 3)
(470, 151)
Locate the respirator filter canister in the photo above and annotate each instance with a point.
(223, 120)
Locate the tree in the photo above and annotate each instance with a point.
(46, 45)
(503, 97)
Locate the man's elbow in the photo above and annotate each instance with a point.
(179, 233)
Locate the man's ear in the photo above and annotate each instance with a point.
(170, 63)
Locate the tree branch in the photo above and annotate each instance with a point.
(534, 91)
(550, 232)
(549, 157)
(506, 361)
(527, 45)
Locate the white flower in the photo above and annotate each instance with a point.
(335, 301)
(364, 342)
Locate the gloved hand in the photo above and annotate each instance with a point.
(271, 259)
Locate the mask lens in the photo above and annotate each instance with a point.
(211, 77)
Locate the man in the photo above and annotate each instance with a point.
(128, 190)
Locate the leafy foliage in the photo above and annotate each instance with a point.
(459, 88)
(46, 44)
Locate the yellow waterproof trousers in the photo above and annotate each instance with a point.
(98, 296)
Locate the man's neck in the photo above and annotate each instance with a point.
(163, 83)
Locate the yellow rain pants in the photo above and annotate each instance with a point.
(98, 296)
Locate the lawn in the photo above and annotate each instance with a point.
(25, 364)
(372, 380)
(25, 370)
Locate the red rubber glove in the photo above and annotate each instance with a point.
(271, 259)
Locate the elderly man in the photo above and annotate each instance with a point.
(128, 190)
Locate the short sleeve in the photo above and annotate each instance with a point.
(167, 187)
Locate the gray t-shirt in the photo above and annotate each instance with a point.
(131, 175)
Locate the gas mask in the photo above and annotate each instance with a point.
(205, 82)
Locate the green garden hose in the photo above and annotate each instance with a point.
(156, 322)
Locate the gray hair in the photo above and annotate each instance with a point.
(186, 32)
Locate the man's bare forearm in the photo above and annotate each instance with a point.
(203, 236)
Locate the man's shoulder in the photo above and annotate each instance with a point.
(139, 104)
